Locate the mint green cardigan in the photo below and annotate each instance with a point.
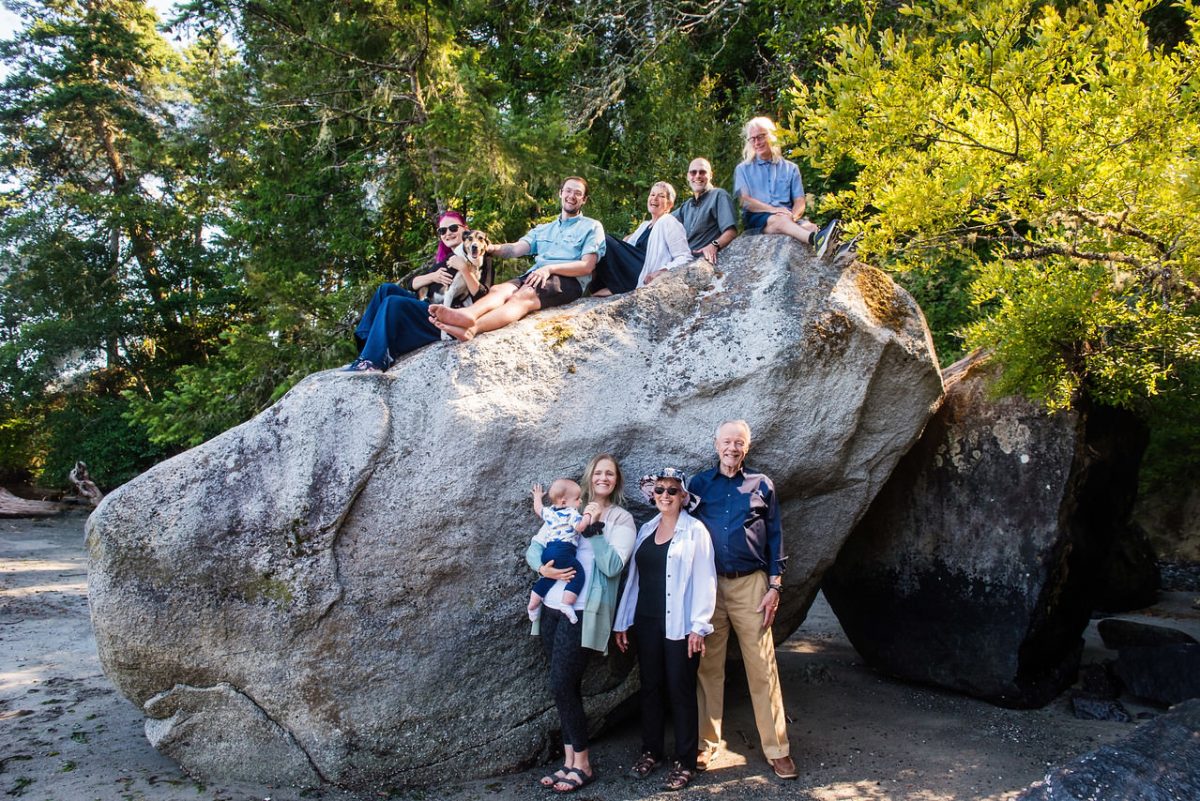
(611, 552)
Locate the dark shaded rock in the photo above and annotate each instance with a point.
(332, 592)
(1129, 577)
(975, 567)
(1163, 674)
(1088, 707)
(1098, 681)
(1118, 634)
(1159, 761)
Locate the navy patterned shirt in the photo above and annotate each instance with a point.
(742, 516)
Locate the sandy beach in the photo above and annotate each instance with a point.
(67, 734)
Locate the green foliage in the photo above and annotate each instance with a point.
(1053, 150)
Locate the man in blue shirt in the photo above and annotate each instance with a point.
(563, 250)
(739, 508)
(771, 191)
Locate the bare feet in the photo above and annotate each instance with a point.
(455, 317)
(459, 333)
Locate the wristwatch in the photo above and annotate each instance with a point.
(777, 587)
(716, 243)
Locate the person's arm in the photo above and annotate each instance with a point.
(611, 551)
(537, 501)
(436, 274)
(510, 250)
(704, 589)
(798, 206)
(677, 244)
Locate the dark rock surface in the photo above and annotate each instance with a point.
(1160, 761)
(1089, 707)
(976, 567)
(1161, 674)
(1118, 634)
(333, 591)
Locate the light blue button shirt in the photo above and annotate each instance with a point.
(776, 183)
(565, 239)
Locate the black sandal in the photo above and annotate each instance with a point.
(678, 778)
(550, 779)
(574, 784)
(645, 765)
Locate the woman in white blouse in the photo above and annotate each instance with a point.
(668, 603)
(657, 245)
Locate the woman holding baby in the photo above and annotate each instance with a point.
(396, 320)
(566, 644)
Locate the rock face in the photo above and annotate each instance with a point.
(975, 567)
(333, 592)
(1160, 761)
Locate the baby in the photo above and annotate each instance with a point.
(564, 523)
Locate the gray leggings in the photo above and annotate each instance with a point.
(562, 643)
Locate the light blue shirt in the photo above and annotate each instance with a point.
(565, 239)
(776, 183)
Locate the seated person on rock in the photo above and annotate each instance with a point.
(657, 245)
(396, 320)
(708, 216)
(563, 251)
(771, 192)
(560, 536)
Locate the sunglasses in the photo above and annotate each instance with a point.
(697, 172)
(452, 228)
(672, 491)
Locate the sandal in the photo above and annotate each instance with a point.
(573, 784)
(550, 779)
(678, 778)
(645, 765)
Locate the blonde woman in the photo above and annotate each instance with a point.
(566, 644)
(657, 245)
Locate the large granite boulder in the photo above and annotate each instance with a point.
(1159, 761)
(333, 592)
(977, 566)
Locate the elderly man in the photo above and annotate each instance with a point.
(771, 191)
(563, 251)
(657, 245)
(739, 508)
(708, 216)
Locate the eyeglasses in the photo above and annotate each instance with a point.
(756, 138)
(452, 228)
(672, 491)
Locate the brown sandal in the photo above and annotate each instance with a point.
(645, 765)
(678, 778)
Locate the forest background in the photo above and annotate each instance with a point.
(194, 210)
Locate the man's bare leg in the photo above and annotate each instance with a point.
(456, 331)
(466, 316)
(521, 303)
(782, 224)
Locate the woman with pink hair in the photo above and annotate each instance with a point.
(396, 320)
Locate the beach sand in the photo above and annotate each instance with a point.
(66, 734)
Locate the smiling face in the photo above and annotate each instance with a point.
(604, 480)
(664, 500)
(659, 201)
(573, 195)
(732, 444)
(699, 176)
(760, 140)
(450, 231)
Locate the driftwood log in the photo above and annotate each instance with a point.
(12, 506)
(84, 485)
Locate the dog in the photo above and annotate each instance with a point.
(472, 250)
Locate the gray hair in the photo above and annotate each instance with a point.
(767, 127)
(670, 190)
(741, 423)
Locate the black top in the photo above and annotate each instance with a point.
(652, 579)
(487, 277)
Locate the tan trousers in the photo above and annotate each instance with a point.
(737, 600)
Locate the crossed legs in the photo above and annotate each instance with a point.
(504, 304)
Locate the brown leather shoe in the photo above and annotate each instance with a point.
(704, 756)
(784, 767)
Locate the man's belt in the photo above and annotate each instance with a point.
(740, 573)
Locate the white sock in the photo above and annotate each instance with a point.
(570, 613)
(535, 614)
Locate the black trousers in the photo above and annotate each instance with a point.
(668, 678)
(619, 267)
(562, 644)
